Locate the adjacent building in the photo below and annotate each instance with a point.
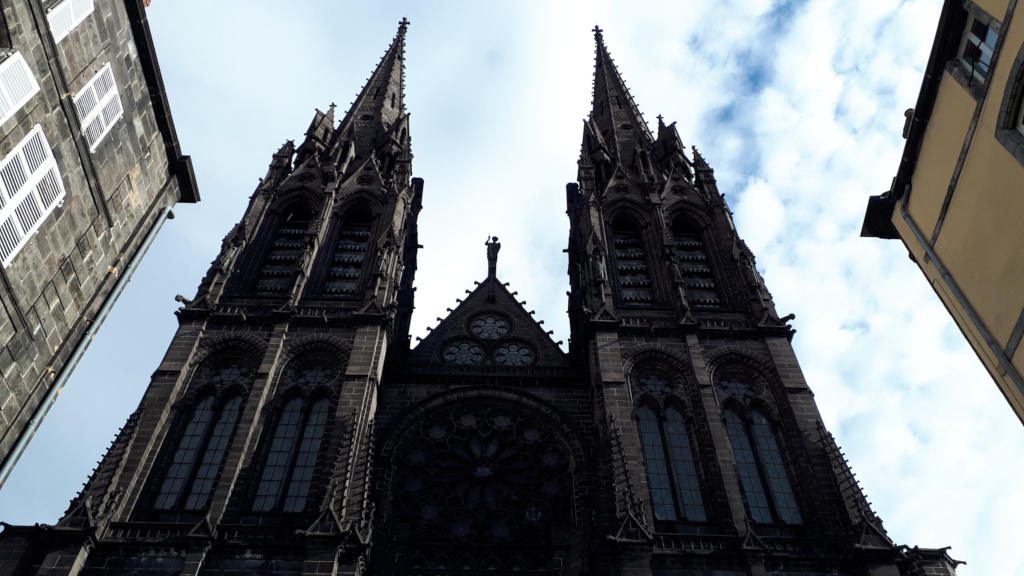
(89, 169)
(958, 196)
(292, 428)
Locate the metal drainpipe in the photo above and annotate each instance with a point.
(1004, 362)
(76, 355)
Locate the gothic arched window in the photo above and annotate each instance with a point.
(631, 262)
(701, 288)
(199, 454)
(350, 250)
(671, 468)
(283, 255)
(763, 478)
(297, 434)
(290, 462)
(205, 433)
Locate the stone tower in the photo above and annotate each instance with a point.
(291, 429)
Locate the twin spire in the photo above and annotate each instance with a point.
(616, 131)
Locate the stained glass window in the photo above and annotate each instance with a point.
(757, 462)
(213, 456)
(671, 469)
(489, 326)
(463, 352)
(482, 473)
(684, 468)
(206, 434)
(203, 444)
(276, 465)
(775, 470)
(746, 466)
(305, 461)
(291, 461)
(513, 354)
(657, 468)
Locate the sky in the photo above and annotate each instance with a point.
(798, 105)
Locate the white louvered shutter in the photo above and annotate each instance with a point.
(98, 106)
(65, 16)
(17, 85)
(30, 189)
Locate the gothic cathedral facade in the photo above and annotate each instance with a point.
(291, 428)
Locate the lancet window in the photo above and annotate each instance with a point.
(701, 288)
(671, 468)
(631, 261)
(764, 480)
(280, 266)
(350, 252)
(297, 435)
(205, 433)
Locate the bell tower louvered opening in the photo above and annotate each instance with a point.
(701, 288)
(284, 254)
(353, 243)
(631, 263)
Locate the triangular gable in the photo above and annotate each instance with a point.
(488, 329)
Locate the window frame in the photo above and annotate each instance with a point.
(183, 496)
(79, 10)
(36, 186)
(106, 108)
(623, 224)
(678, 501)
(745, 419)
(1009, 129)
(970, 65)
(17, 60)
(306, 412)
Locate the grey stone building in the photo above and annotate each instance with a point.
(89, 169)
(292, 428)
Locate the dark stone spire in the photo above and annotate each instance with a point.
(381, 103)
(614, 115)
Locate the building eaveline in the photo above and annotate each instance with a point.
(957, 199)
(89, 170)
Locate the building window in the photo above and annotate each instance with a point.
(280, 266)
(98, 106)
(764, 481)
(350, 250)
(631, 264)
(17, 85)
(65, 16)
(291, 460)
(197, 459)
(204, 432)
(30, 189)
(671, 469)
(1019, 125)
(977, 47)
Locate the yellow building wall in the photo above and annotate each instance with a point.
(981, 240)
(940, 150)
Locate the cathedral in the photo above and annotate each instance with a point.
(292, 427)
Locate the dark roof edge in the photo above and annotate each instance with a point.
(179, 165)
(878, 216)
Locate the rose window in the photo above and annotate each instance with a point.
(513, 354)
(489, 327)
(483, 474)
(463, 353)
